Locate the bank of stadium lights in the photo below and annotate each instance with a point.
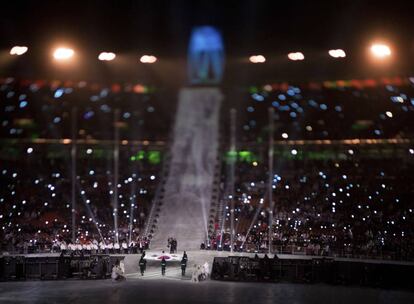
(338, 53)
(380, 51)
(148, 59)
(257, 59)
(106, 56)
(295, 56)
(63, 53)
(18, 50)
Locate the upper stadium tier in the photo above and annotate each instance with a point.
(38, 109)
(368, 109)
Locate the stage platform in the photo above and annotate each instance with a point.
(155, 288)
(199, 257)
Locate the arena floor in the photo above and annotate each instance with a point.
(169, 290)
(153, 288)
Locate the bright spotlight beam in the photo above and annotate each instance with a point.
(18, 50)
(106, 56)
(63, 53)
(380, 50)
(148, 59)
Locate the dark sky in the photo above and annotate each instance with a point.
(163, 27)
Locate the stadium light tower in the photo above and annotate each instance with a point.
(63, 53)
(380, 50)
(18, 50)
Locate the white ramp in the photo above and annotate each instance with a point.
(189, 185)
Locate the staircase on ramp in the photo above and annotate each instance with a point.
(194, 155)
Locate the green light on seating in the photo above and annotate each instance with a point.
(245, 156)
(140, 155)
(154, 157)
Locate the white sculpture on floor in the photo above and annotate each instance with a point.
(200, 273)
(118, 271)
(206, 269)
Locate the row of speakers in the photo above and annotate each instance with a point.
(53, 268)
(318, 270)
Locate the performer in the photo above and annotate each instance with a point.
(142, 265)
(183, 266)
(175, 245)
(163, 266)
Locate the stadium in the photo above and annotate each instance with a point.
(203, 149)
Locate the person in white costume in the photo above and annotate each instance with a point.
(116, 248)
(63, 246)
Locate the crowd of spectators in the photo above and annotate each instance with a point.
(329, 199)
(334, 198)
(352, 205)
(300, 112)
(36, 165)
(35, 198)
(40, 109)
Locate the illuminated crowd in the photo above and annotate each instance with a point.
(36, 164)
(350, 198)
(354, 205)
(41, 109)
(37, 189)
(367, 109)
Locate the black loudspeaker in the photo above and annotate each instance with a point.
(13, 268)
(52, 268)
(33, 268)
(219, 270)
